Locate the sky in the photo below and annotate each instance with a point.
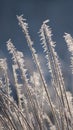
(59, 12)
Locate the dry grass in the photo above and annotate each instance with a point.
(34, 108)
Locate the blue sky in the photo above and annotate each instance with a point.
(59, 12)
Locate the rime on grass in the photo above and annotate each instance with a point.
(33, 93)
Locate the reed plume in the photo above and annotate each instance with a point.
(29, 112)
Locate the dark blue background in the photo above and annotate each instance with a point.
(60, 13)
